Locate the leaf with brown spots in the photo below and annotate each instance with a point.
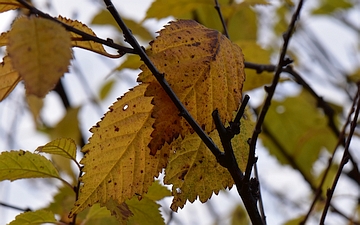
(117, 163)
(193, 170)
(204, 69)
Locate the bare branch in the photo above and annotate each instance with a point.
(271, 90)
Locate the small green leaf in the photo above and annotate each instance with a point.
(105, 18)
(24, 164)
(145, 210)
(157, 191)
(131, 62)
(106, 88)
(34, 218)
(330, 6)
(65, 147)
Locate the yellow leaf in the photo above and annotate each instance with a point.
(35, 105)
(40, 50)
(9, 78)
(119, 210)
(254, 53)
(193, 170)
(117, 163)
(131, 62)
(4, 38)
(78, 41)
(34, 218)
(6, 5)
(23, 164)
(65, 147)
(204, 69)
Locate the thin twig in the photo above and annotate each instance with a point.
(86, 37)
(260, 67)
(77, 192)
(15, 207)
(344, 159)
(271, 90)
(217, 7)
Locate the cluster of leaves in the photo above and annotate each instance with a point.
(206, 72)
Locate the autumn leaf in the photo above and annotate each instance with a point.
(141, 209)
(9, 78)
(6, 5)
(65, 147)
(34, 218)
(23, 164)
(78, 41)
(193, 170)
(40, 51)
(204, 69)
(117, 163)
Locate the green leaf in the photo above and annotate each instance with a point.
(295, 131)
(145, 210)
(34, 218)
(62, 202)
(330, 6)
(65, 147)
(68, 126)
(106, 88)
(24, 164)
(244, 30)
(157, 191)
(105, 18)
(176, 8)
(239, 216)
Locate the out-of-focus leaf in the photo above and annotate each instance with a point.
(23, 164)
(239, 29)
(164, 8)
(62, 202)
(35, 105)
(131, 62)
(40, 50)
(105, 18)
(68, 126)
(34, 218)
(9, 78)
(146, 212)
(157, 191)
(106, 89)
(330, 6)
(254, 53)
(295, 131)
(6, 5)
(239, 216)
(78, 41)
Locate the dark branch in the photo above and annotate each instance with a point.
(15, 207)
(217, 7)
(86, 37)
(271, 90)
(260, 67)
(344, 159)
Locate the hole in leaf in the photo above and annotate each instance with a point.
(125, 107)
(178, 190)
